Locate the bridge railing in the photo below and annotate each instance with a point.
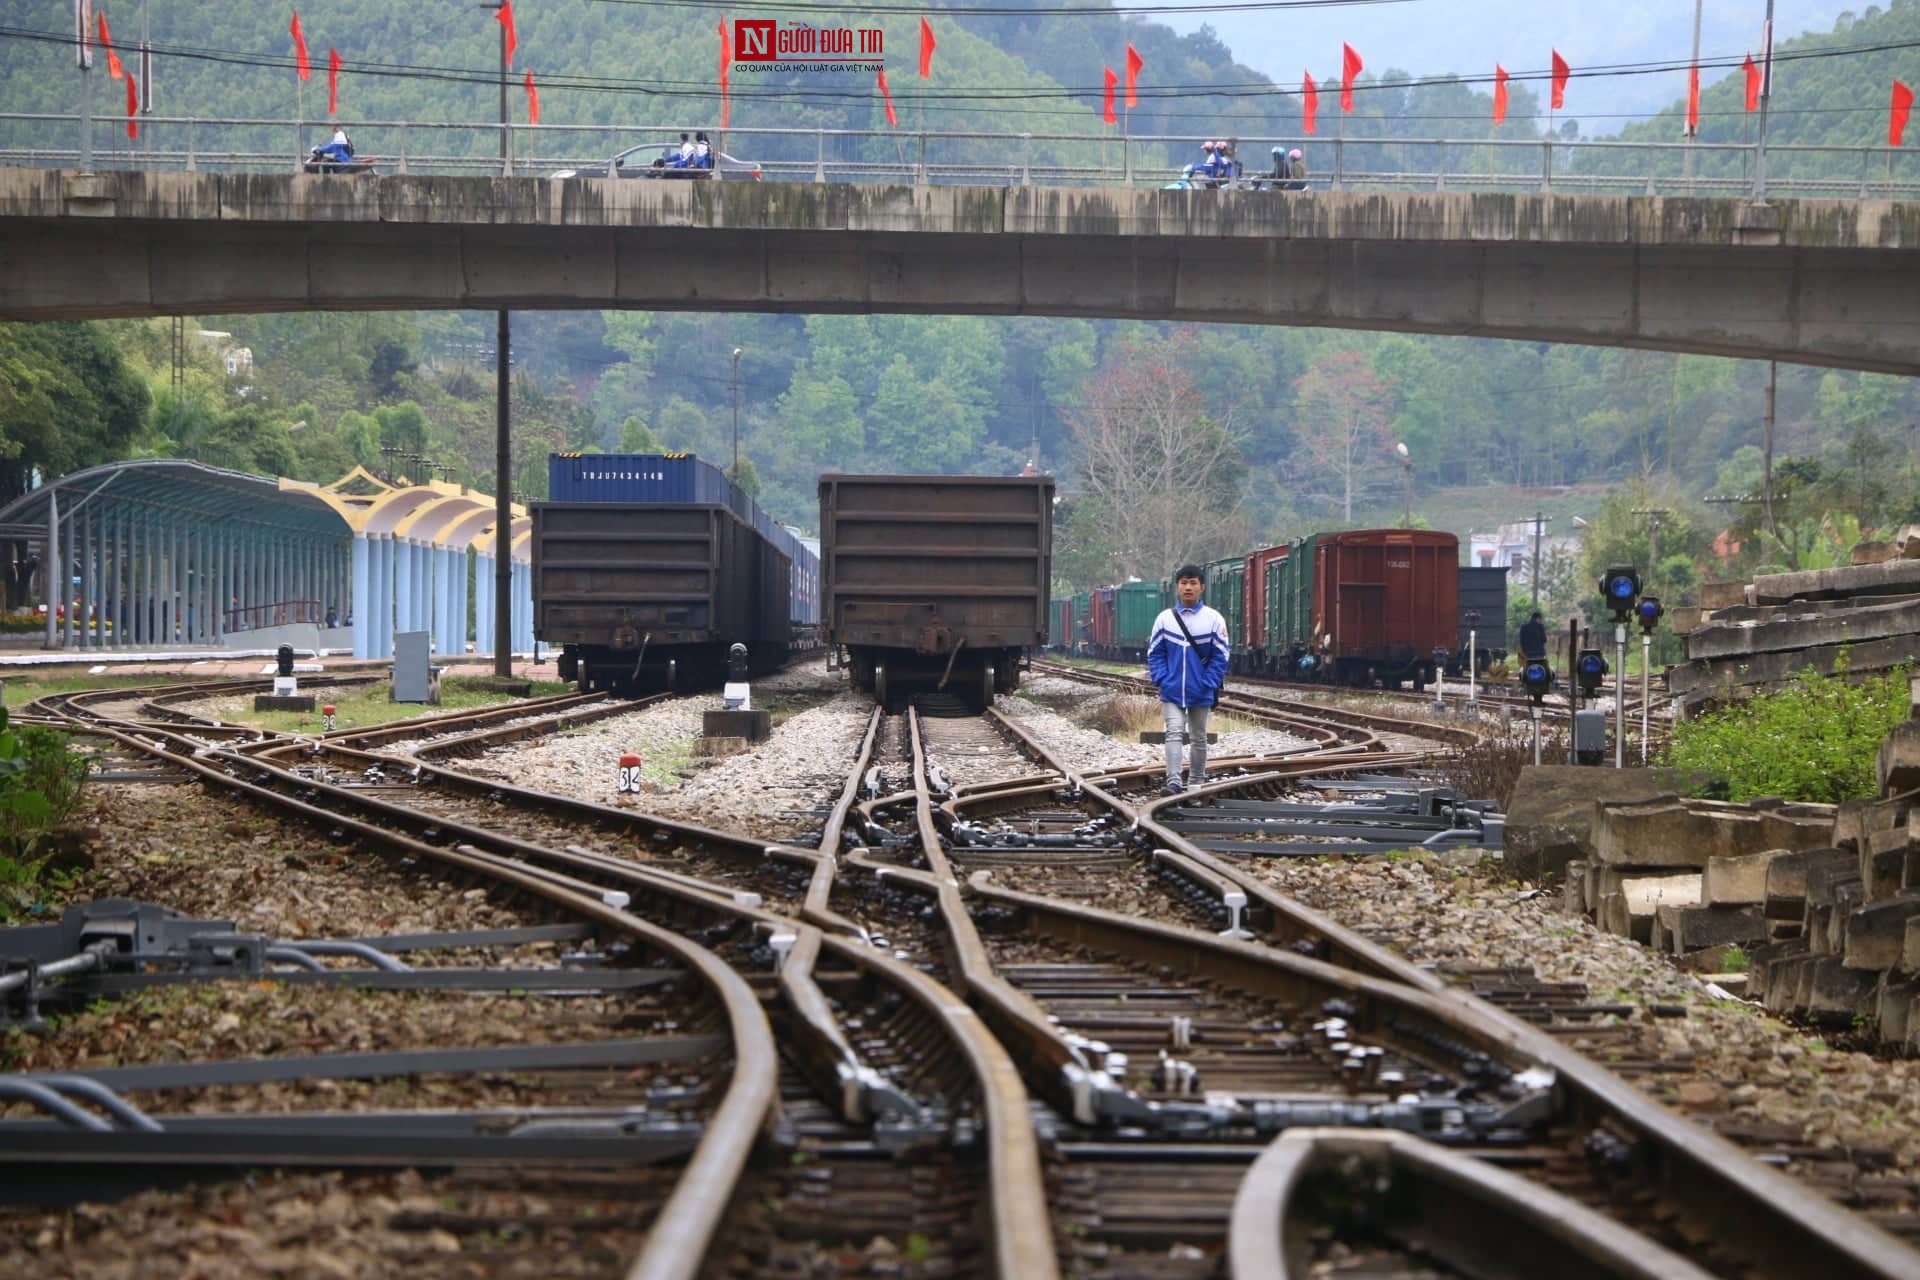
(1575, 166)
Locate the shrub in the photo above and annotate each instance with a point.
(1814, 740)
(1489, 769)
(40, 780)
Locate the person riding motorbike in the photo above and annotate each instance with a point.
(336, 150)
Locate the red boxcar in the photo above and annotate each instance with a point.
(1101, 630)
(1251, 651)
(1387, 602)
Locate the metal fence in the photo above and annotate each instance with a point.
(921, 157)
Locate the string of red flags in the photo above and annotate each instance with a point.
(1693, 100)
(886, 95)
(927, 44)
(333, 81)
(1897, 118)
(1560, 73)
(1135, 65)
(726, 60)
(133, 108)
(300, 64)
(504, 16)
(106, 42)
(1107, 112)
(1753, 83)
(1499, 94)
(533, 100)
(1309, 103)
(1350, 67)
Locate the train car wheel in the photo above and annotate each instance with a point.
(880, 685)
(983, 693)
(673, 674)
(1006, 676)
(586, 677)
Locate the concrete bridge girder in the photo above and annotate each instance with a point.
(1818, 282)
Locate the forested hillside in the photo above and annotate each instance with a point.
(1277, 431)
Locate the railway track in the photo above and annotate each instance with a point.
(950, 1022)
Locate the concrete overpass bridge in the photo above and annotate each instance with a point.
(1824, 282)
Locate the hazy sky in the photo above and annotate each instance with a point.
(1466, 37)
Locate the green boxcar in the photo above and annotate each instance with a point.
(1135, 606)
(1290, 599)
(1227, 592)
(1082, 619)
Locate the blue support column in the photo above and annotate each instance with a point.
(522, 607)
(362, 611)
(483, 603)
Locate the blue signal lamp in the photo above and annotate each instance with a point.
(1536, 677)
(1590, 669)
(1620, 586)
(1649, 611)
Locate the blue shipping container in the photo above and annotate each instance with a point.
(640, 477)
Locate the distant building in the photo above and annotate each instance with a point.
(238, 360)
(1510, 545)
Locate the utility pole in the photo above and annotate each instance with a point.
(736, 415)
(1766, 439)
(1539, 524)
(1656, 516)
(502, 507)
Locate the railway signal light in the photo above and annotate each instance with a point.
(1589, 671)
(1620, 585)
(326, 718)
(1536, 677)
(1649, 611)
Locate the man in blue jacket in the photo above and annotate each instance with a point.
(1187, 658)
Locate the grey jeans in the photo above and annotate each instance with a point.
(1186, 725)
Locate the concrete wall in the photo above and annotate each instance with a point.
(1819, 282)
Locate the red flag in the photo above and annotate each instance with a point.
(1135, 65)
(1499, 94)
(892, 119)
(726, 51)
(133, 108)
(1106, 104)
(533, 100)
(1560, 73)
(1350, 67)
(1753, 83)
(504, 16)
(1309, 103)
(927, 43)
(1693, 100)
(300, 63)
(333, 81)
(1897, 121)
(106, 42)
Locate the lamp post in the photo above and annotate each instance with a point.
(736, 415)
(1406, 463)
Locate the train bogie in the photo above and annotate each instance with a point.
(936, 582)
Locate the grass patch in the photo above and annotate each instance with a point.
(24, 686)
(1734, 960)
(364, 706)
(1126, 716)
(1815, 740)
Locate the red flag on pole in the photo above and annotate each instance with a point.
(1107, 112)
(533, 100)
(1897, 121)
(1135, 65)
(887, 94)
(504, 16)
(106, 42)
(133, 108)
(927, 43)
(1499, 94)
(300, 63)
(333, 81)
(1693, 100)
(1753, 83)
(1309, 103)
(1560, 73)
(1350, 66)
(726, 60)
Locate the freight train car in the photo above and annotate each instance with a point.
(1367, 606)
(936, 582)
(1251, 650)
(648, 568)
(1226, 591)
(1483, 591)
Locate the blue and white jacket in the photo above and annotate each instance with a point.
(1189, 675)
